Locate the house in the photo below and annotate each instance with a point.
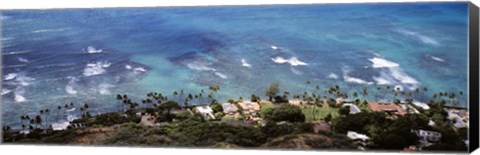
(426, 138)
(230, 110)
(422, 105)
(148, 120)
(353, 108)
(60, 126)
(360, 139)
(250, 109)
(458, 117)
(296, 102)
(206, 111)
(356, 136)
(387, 107)
(409, 109)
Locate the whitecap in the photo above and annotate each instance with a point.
(292, 61)
(351, 79)
(423, 38)
(332, 76)
(91, 49)
(69, 88)
(274, 47)
(19, 95)
(95, 68)
(128, 67)
(10, 76)
(437, 58)
(5, 91)
(139, 69)
(221, 75)
(22, 60)
(200, 66)
(48, 30)
(398, 74)
(245, 63)
(19, 98)
(103, 88)
(382, 63)
(23, 80)
(295, 71)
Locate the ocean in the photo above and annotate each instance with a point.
(55, 57)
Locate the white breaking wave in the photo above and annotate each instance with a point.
(69, 87)
(19, 95)
(351, 79)
(95, 68)
(23, 80)
(103, 88)
(128, 67)
(48, 30)
(22, 60)
(437, 59)
(382, 63)
(10, 76)
(221, 75)
(398, 74)
(292, 61)
(423, 38)
(245, 63)
(200, 66)
(70, 110)
(5, 91)
(295, 71)
(332, 76)
(139, 69)
(274, 47)
(91, 49)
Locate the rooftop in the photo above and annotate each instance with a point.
(388, 107)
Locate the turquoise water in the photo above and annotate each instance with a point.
(53, 57)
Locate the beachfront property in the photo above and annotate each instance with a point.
(409, 109)
(427, 138)
(250, 109)
(148, 120)
(386, 107)
(360, 139)
(60, 126)
(353, 108)
(422, 105)
(458, 117)
(230, 110)
(206, 111)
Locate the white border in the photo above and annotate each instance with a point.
(75, 150)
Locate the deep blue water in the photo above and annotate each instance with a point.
(54, 57)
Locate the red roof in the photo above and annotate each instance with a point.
(375, 106)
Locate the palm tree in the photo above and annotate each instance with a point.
(364, 92)
(38, 120)
(175, 94)
(21, 120)
(47, 112)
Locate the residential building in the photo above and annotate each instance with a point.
(353, 108)
(250, 109)
(387, 107)
(230, 110)
(426, 138)
(206, 111)
(60, 126)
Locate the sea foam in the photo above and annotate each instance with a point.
(350, 79)
(200, 66)
(95, 68)
(5, 91)
(423, 38)
(382, 63)
(91, 49)
(69, 88)
(10, 76)
(332, 76)
(437, 59)
(245, 63)
(221, 75)
(292, 61)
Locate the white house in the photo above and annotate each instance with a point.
(206, 111)
(353, 108)
(356, 136)
(430, 136)
(60, 126)
(422, 105)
